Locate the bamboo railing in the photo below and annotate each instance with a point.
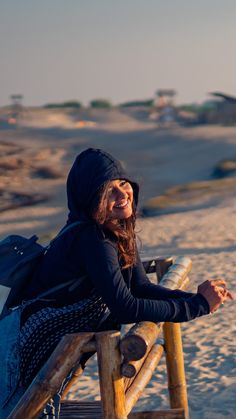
(125, 364)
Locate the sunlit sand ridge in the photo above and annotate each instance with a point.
(159, 159)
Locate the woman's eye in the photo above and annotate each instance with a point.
(111, 190)
(123, 182)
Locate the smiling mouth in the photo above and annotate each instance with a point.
(123, 205)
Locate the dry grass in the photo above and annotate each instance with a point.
(46, 172)
(181, 197)
(25, 172)
(225, 168)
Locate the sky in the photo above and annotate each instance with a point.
(120, 50)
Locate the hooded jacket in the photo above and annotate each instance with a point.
(87, 251)
(91, 170)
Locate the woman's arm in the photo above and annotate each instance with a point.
(142, 287)
(213, 292)
(101, 263)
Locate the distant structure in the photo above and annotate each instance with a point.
(224, 110)
(17, 100)
(15, 108)
(165, 97)
(227, 98)
(165, 112)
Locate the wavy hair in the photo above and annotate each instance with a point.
(123, 230)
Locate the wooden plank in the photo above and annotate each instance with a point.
(50, 377)
(160, 414)
(110, 379)
(73, 409)
(78, 371)
(175, 366)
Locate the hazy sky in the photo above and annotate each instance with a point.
(56, 50)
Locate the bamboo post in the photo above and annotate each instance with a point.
(177, 273)
(175, 366)
(89, 347)
(136, 368)
(156, 265)
(131, 368)
(143, 377)
(76, 374)
(50, 377)
(78, 370)
(111, 382)
(162, 266)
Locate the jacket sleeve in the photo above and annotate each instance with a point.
(101, 262)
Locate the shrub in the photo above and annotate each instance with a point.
(100, 103)
(68, 104)
(136, 103)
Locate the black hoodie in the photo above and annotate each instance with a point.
(87, 250)
(91, 169)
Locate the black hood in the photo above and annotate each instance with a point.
(91, 169)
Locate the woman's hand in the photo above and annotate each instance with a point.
(215, 293)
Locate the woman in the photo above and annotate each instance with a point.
(98, 253)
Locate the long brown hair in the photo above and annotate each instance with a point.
(123, 230)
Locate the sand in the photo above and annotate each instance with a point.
(159, 158)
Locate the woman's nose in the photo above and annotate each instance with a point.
(121, 193)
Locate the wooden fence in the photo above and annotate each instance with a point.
(125, 364)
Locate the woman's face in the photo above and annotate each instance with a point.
(119, 200)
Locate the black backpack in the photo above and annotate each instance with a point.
(19, 258)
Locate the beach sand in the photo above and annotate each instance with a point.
(158, 159)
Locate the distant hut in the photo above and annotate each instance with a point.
(15, 108)
(165, 97)
(225, 109)
(164, 104)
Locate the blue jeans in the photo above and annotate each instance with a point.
(10, 389)
(9, 358)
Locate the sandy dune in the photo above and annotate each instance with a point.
(158, 159)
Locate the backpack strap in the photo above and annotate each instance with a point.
(64, 284)
(56, 288)
(68, 227)
(65, 229)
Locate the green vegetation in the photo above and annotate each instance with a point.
(100, 103)
(189, 107)
(136, 103)
(206, 106)
(46, 172)
(68, 104)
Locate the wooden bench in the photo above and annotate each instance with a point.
(125, 364)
